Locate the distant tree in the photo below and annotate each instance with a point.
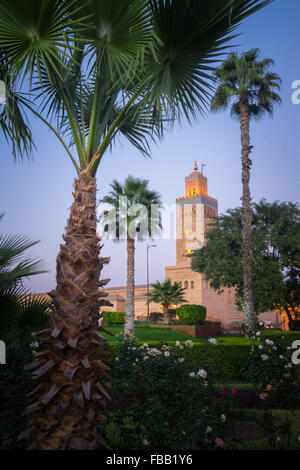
(138, 196)
(276, 256)
(166, 294)
(248, 81)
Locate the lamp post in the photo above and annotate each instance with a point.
(148, 246)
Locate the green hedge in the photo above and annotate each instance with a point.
(114, 318)
(191, 314)
(292, 335)
(229, 361)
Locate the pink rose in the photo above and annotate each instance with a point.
(263, 396)
(219, 442)
(234, 392)
(223, 393)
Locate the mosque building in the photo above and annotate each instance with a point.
(194, 213)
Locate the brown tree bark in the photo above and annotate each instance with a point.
(129, 317)
(248, 309)
(167, 319)
(70, 393)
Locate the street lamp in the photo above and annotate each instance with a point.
(148, 246)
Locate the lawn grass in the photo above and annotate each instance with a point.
(146, 334)
(257, 415)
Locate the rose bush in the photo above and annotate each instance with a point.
(271, 368)
(160, 403)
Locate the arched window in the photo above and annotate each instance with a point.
(192, 284)
(186, 284)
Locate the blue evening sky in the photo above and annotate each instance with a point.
(35, 195)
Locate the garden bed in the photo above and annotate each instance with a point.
(206, 330)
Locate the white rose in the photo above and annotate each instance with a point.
(202, 373)
(264, 357)
(223, 418)
(166, 353)
(208, 429)
(212, 340)
(192, 374)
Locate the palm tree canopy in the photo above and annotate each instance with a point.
(13, 266)
(100, 67)
(13, 119)
(135, 206)
(166, 293)
(247, 76)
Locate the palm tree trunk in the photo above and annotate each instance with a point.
(246, 215)
(129, 318)
(167, 319)
(70, 395)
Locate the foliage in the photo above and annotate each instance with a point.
(99, 69)
(271, 368)
(130, 217)
(246, 74)
(229, 361)
(156, 316)
(191, 314)
(166, 293)
(12, 115)
(159, 402)
(276, 255)
(114, 318)
(21, 316)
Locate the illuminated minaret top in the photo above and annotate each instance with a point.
(195, 183)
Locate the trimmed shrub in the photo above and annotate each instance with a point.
(191, 314)
(114, 318)
(156, 316)
(275, 334)
(228, 361)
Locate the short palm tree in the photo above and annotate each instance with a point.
(247, 82)
(21, 313)
(136, 220)
(166, 294)
(99, 69)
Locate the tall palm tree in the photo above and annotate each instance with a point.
(166, 294)
(136, 220)
(248, 82)
(98, 69)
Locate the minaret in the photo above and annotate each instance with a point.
(194, 213)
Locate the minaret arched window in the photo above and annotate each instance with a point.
(186, 284)
(192, 284)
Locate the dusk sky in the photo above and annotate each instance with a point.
(35, 195)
